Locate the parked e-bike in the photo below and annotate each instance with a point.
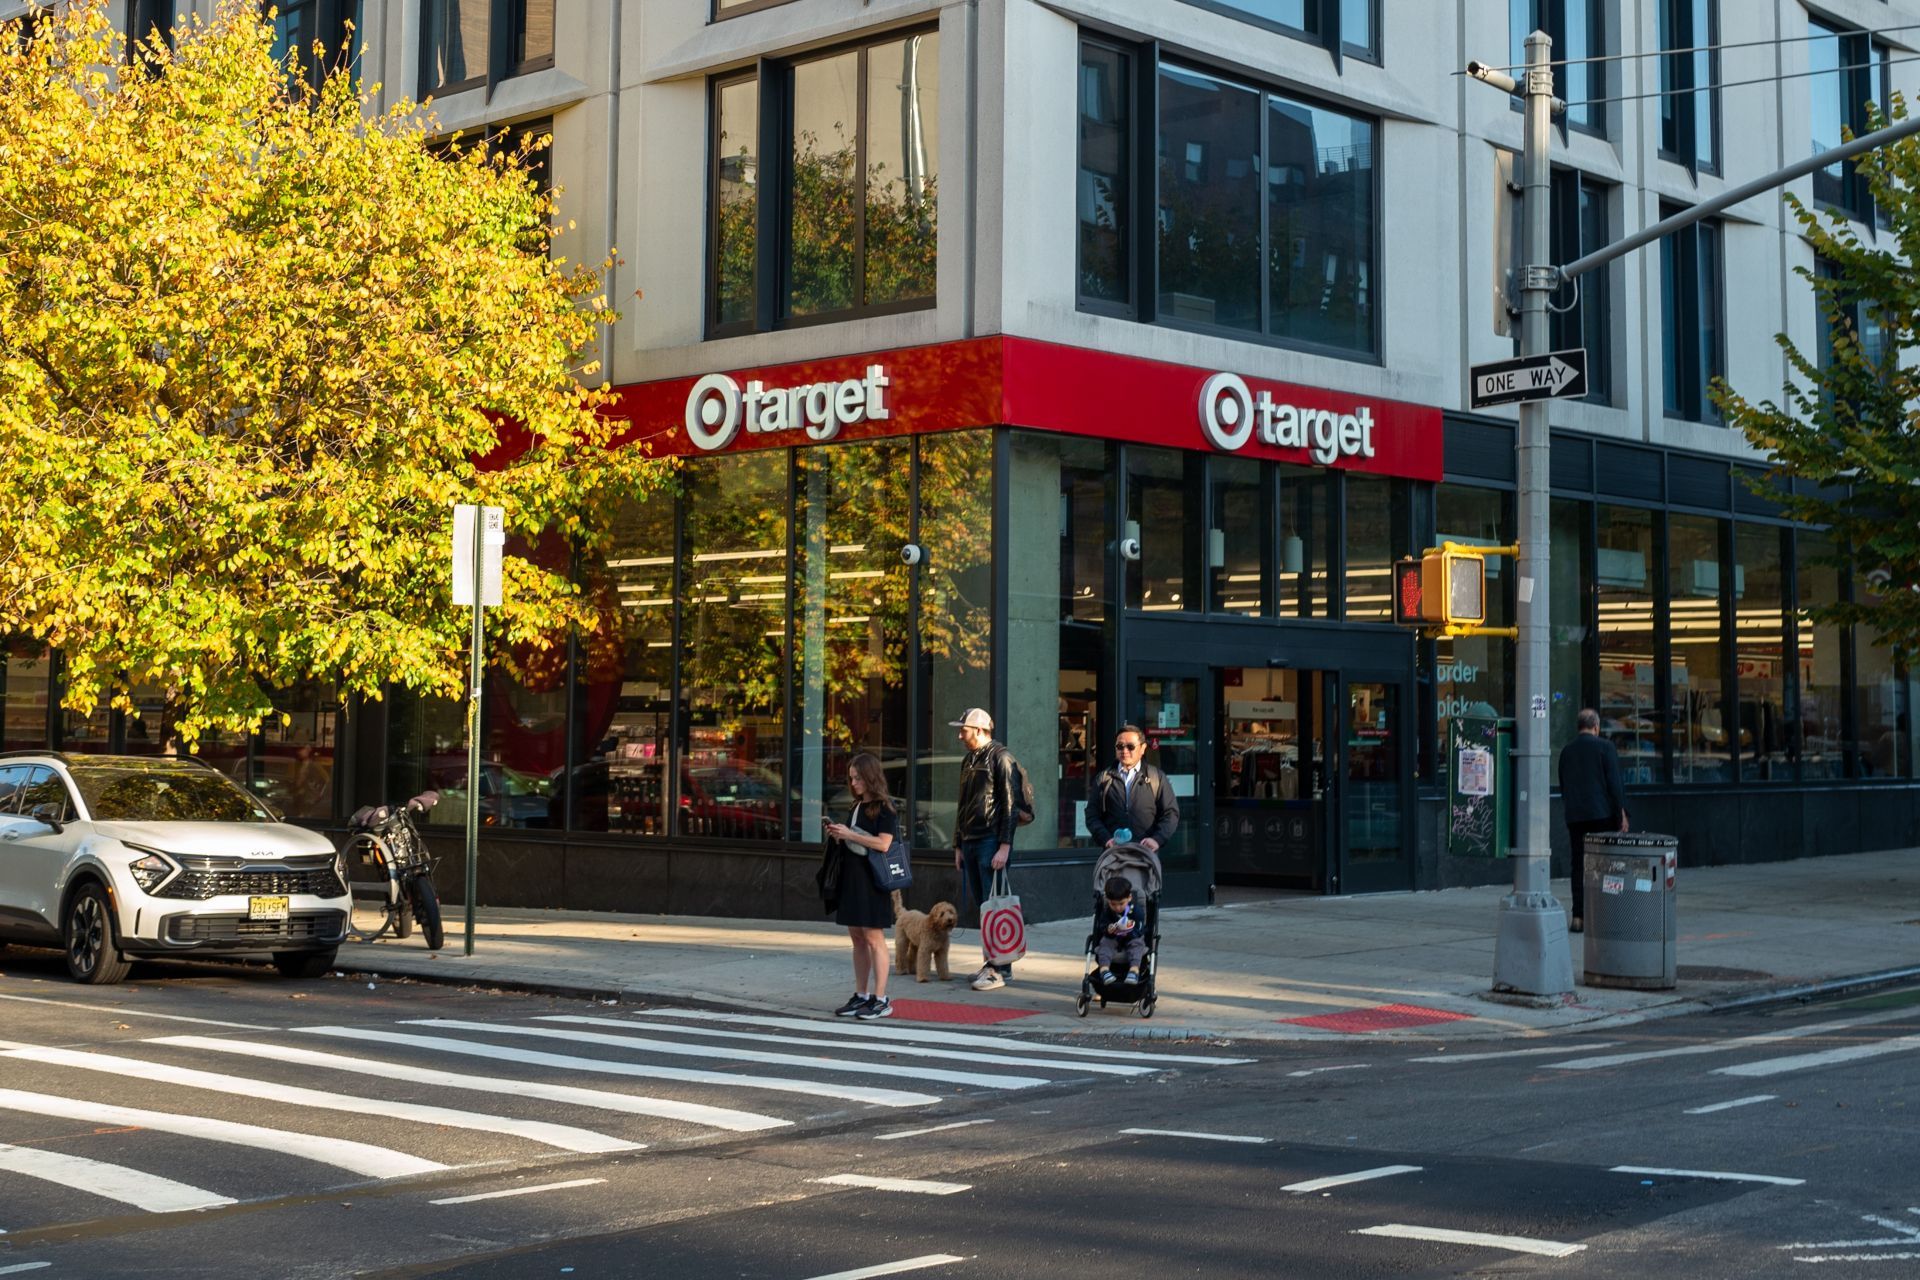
(390, 873)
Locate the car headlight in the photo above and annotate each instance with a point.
(152, 869)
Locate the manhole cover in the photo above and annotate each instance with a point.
(1714, 973)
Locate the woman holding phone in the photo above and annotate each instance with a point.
(864, 909)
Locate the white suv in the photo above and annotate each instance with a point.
(118, 857)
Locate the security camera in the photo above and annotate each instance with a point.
(1130, 548)
(912, 554)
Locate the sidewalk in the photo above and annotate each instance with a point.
(1405, 964)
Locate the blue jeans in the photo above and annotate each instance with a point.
(976, 876)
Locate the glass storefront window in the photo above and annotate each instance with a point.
(623, 699)
(1376, 533)
(294, 762)
(1877, 696)
(853, 513)
(1473, 674)
(1305, 542)
(1625, 554)
(1820, 736)
(1237, 541)
(1570, 588)
(1760, 653)
(1161, 516)
(1704, 733)
(734, 583)
(26, 670)
(426, 738)
(956, 617)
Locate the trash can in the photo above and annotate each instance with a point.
(1630, 916)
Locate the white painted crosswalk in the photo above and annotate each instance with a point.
(150, 1124)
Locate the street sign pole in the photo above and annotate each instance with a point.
(1530, 955)
(475, 683)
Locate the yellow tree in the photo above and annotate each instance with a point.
(256, 339)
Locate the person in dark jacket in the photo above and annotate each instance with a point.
(1592, 796)
(1131, 802)
(984, 822)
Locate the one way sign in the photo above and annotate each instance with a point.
(1553, 376)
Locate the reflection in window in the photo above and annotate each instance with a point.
(26, 670)
(1161, 517)
(455, 43)
(1237, 542)
(1693, 304)
(1846, 76)
(956, 616)
(426, 739)
(1704, 734)
(298, 25)
(295, 759)
(1376, 534)
(1571, 589)
(854, 509)
(1579, 31)
(1472, 674)
(1580, 227)
(1760, 653)
(1820, 734)
(1209, 200)
(1624, 558)
(902, 169)
(734, 647)
(1105, 187)
(736, 200)
(1316, 18)
(1689, 80)
(1877, 693)
(1320, 225)
(624, 701)
(1305, 541)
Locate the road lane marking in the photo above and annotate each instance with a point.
(1342, 1179)
(1859, 1257)
(1712, 1175)
(572, 1095)
(569, 1062)
(1513, 1053)
(648, 1044)
(913, 1185)
(959, 1038)
(1824, 1058)
(521, 1191)
(1728, 1106)
(920, 1263)
(1444, 1235)
(1314, 1071)
(945, 1055)
(1204, 1137)
(109, 1181)
(113, 1012)
(565, 1137)
(356, 1157)
(1727, 1046)
(18, 1267)
(938, 1128)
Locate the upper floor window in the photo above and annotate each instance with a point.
(1579, 31)
(1689, 82)
(299, 27)
(465, 43)
(150, 20)
(1581, 225)
(1350, 26)
(853, 223)
(1847, 76)
(1692, 315)
(730, 8)
(1256, 219)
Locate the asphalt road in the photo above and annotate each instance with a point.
(216, 1121)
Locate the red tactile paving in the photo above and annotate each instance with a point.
(972, 1014)
(1381, 1017)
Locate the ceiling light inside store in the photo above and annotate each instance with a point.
(774, 554)
(845, 548)
(642, 562)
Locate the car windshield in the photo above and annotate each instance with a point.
(168, 793)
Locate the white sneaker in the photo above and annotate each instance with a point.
(989, 979)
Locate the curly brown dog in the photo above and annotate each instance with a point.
(920, 938)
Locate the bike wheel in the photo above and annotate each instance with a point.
(370, 884)
(426, 909)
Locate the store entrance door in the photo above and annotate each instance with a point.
(1172, 703)
(1277, 737)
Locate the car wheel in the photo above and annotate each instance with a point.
(303, 964)
(92, 954)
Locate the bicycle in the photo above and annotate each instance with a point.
(390, 874)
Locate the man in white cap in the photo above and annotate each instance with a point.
(984, 822)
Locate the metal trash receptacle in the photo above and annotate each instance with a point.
(1630, 915)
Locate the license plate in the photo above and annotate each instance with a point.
(275, 908)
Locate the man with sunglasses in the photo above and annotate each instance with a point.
(1131, 802)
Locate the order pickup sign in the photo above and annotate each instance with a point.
(1552, 376)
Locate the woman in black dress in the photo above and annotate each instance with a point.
(864, 909)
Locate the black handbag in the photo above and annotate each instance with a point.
(828, 877)
(891, 870)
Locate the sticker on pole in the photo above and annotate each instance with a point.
(1539, 706)
(493, 541)
(1613, 884)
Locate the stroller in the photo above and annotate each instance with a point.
(1141, 867)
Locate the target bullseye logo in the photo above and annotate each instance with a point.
(1226, 411)
(718, 408)
(713, 412)
(1005, 933)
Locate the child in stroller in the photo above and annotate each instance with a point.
(1133, 874)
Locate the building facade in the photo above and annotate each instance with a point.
(1091, 361)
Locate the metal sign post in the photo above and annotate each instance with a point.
(476, 583)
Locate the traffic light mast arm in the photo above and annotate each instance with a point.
(1454, 631)
(1475, 549)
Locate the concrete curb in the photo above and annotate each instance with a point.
(1813, 990)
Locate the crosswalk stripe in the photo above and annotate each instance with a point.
(726, 1079)
(1483, 1239)
(109, 1181)
(1344, 1179)
(914, 1185)
(1711, 1175)
(962, 1038)
(920, 1263)
(522, 1191)
(124, 1011)
(1727, 1046)
(603, 1099)
(1549, 1051)
(1825, 1058)
(565, 1137)
(356, 1157)
(928, 1074)
(878, 1046)
(1728, 1106)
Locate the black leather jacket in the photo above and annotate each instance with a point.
(986, 796)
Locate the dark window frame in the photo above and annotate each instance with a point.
(1328, 35)
(1571, 328)
(715, 87)
(1863, 69)
(717, 13)
(1693, 351)
(1683, 95)
(1127, 211)
(506, 24)
(1554, 22)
